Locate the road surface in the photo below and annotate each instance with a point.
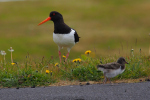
(122, 91)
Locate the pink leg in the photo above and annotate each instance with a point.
(67, 56)
(109, 80)
(105, 79)
(59, 55)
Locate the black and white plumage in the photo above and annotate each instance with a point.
(63, 35)
(112, 69)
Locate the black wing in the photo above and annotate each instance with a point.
(111, 66)
(76, 37)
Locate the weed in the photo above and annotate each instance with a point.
(45, 72)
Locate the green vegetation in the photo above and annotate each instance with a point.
(109, 29)
(45, 72)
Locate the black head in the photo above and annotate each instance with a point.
(122, 60)
(55, 16)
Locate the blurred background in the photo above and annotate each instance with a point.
(106, 27)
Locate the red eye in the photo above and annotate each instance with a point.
(53, 13)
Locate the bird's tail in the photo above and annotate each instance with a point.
(100, 67)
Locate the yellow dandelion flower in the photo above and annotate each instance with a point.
(47, 71)
(78, 59)
(51, 73)
(64, 56)
(88, 52)
(74, 60)
(13, 63)
(56, 64)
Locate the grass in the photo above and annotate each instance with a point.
(46, 72)
(109, 28)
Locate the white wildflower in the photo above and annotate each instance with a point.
(11, 50)
(3, 53)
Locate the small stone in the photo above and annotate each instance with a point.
(80, 84)
(87, 83)
(33, 86)
(125, 91)
(147, 79)
(17, 88)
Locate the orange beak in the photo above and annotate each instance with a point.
(47, 19)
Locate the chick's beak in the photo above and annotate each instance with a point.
(47, 19)
(126, 62)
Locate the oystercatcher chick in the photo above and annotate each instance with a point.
(63, 35)
(111, 70)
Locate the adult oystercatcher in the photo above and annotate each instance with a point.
(112, 69)
(63, 35)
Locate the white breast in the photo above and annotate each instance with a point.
(64, 40)
(113, 73)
